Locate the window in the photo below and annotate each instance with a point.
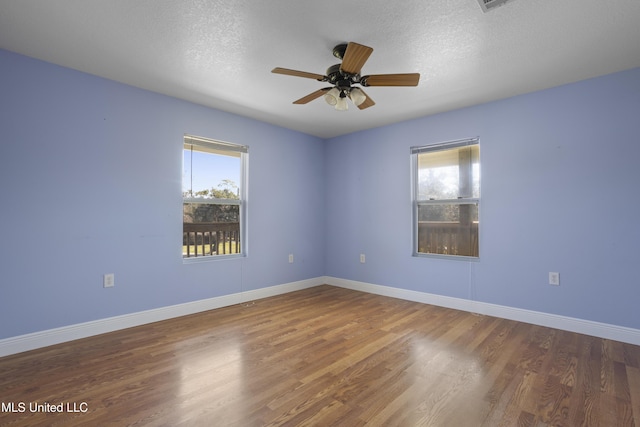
(446, 192)
(213, 194)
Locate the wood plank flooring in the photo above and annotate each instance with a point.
(327, 356)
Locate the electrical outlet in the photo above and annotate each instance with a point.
(109, 280)
(554, 278)
(290, 258)
(363, 259)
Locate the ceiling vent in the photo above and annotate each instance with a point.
(488, 5)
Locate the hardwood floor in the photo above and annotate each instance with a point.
(327, 356)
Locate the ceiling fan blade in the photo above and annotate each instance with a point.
(410, 79)
(368, 102)
(296, 73)
(312, 96)
(354, 58)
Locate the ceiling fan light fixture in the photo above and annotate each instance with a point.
(332, 96)
(357, 96)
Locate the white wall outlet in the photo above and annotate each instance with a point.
(290, 258)
(363, 259)
(109, 280)
(554, 278)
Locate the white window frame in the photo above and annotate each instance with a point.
(417, 202)
(212, 145)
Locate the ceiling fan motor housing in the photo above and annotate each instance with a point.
(333, 73)
(340, 79)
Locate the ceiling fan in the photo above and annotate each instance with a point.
(344, 76)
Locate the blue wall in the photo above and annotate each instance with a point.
(560, 185)
(90, 178)
(91, 184)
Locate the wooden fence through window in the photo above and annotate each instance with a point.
(210, 238)
(448, 238)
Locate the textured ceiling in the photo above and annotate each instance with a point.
(220, 53)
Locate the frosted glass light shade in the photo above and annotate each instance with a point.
(342, 105)
(357, 96)
(332, 96)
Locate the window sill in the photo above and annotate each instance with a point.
(211, 258)
(447, 257)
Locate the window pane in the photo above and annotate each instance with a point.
(448, 229)
(210, 229)
(449, 173)
(210, 175)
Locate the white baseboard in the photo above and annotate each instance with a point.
(48, 337)
(587, 327)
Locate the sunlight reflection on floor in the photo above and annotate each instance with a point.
(211, 380)
(447, 377)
